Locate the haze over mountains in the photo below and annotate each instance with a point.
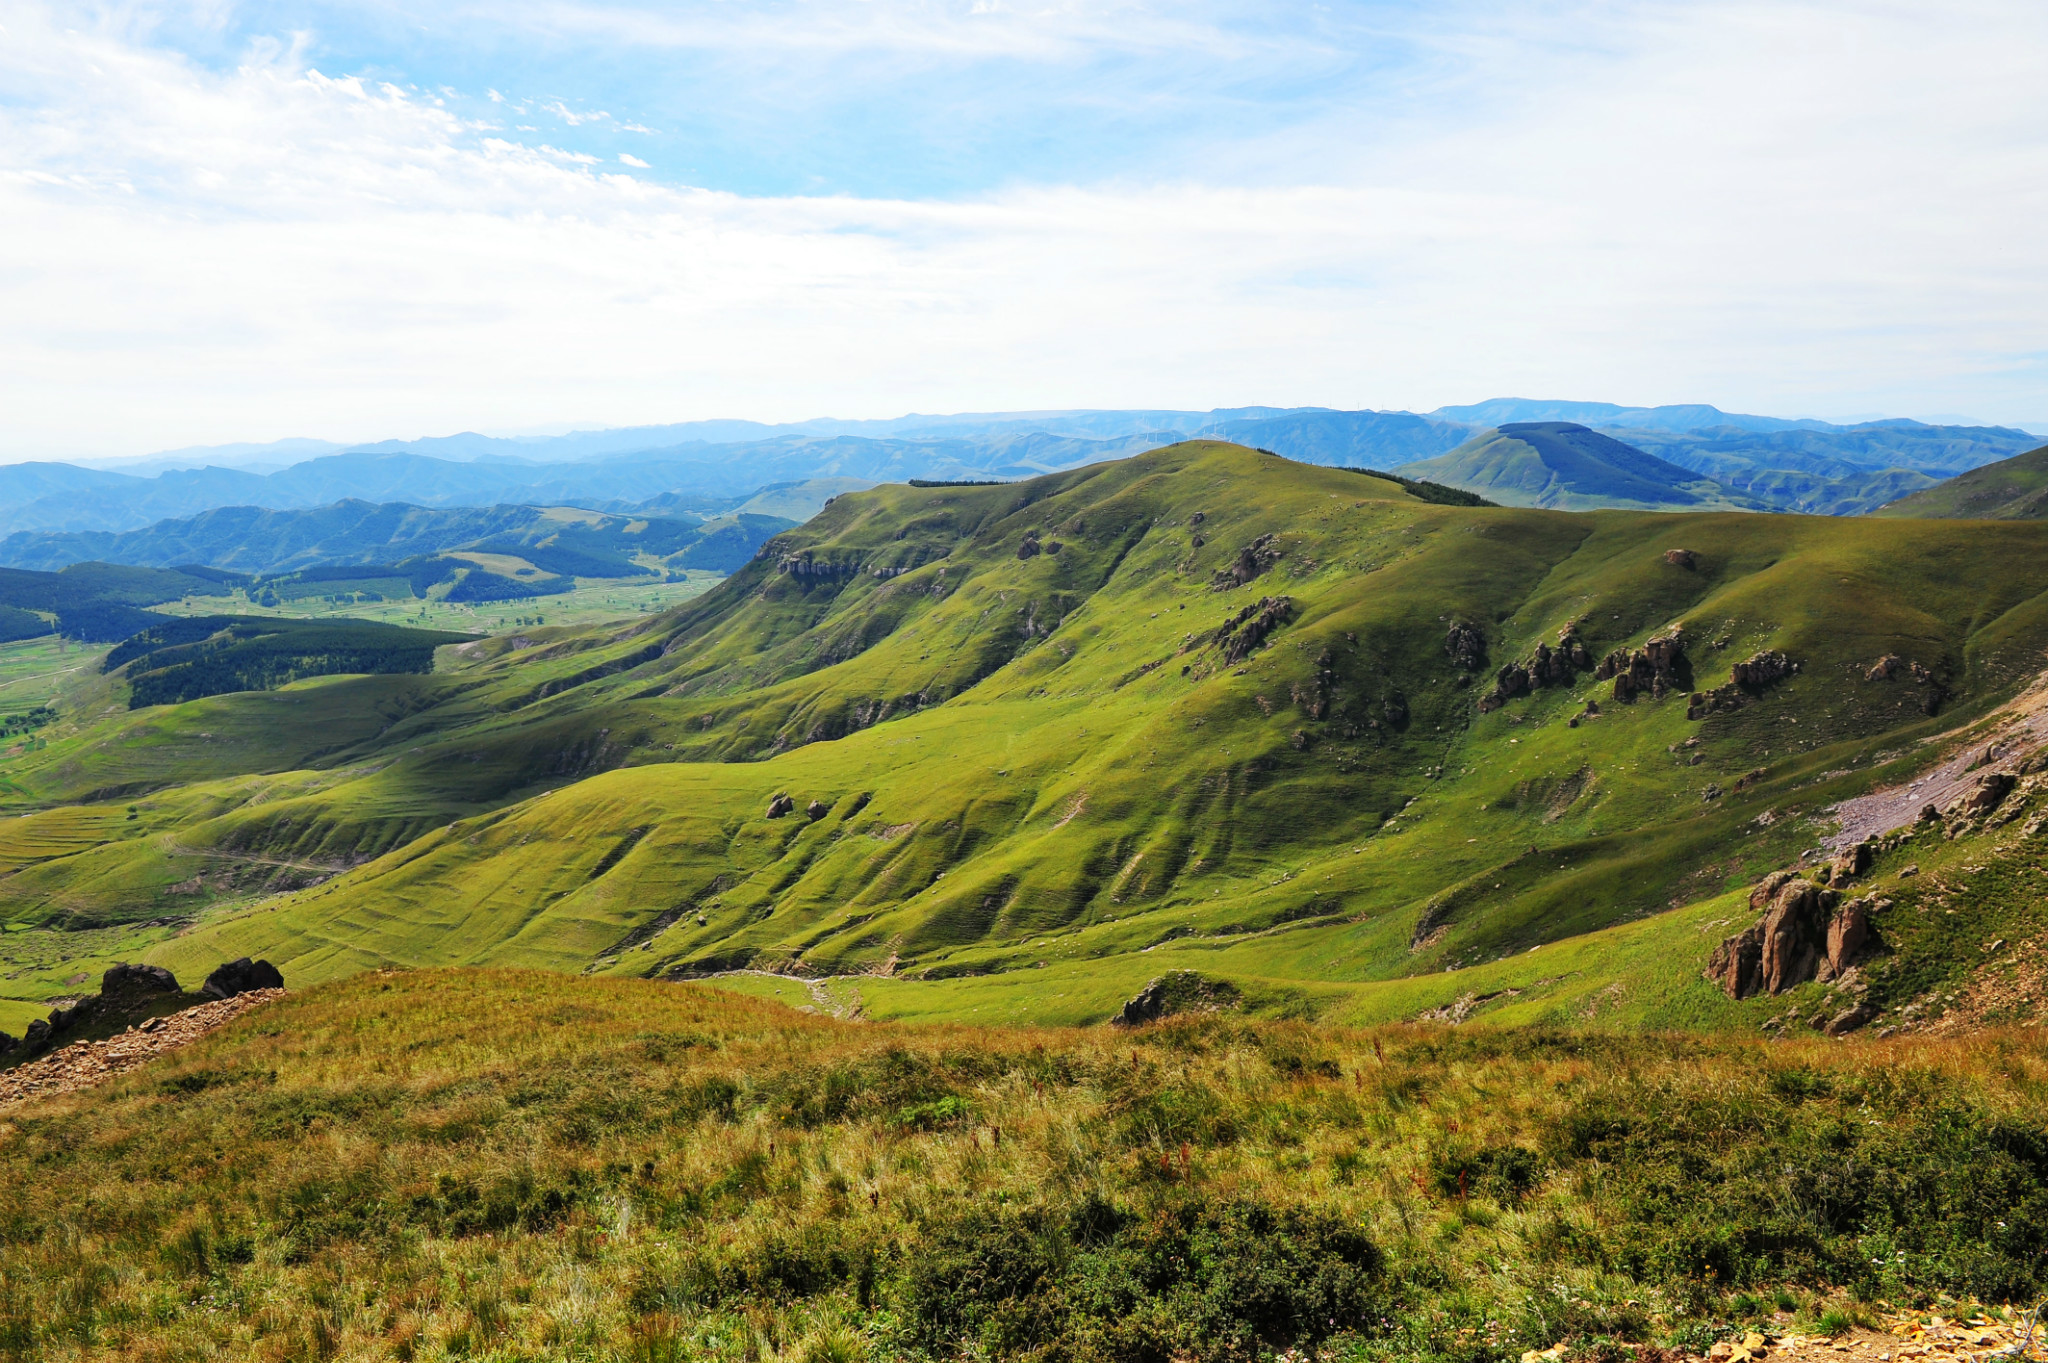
(1692, 456)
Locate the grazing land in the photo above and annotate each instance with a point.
(450, 1164)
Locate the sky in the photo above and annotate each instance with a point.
(227, 222)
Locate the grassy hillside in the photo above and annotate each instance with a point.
(1012, 751)
(2013, 489)
(1568, 467)
(435, 1165)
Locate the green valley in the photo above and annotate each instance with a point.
(1009, 752)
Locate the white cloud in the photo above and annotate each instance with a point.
(628, 159)
(1774, 207)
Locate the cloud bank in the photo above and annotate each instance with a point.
(1817, 208)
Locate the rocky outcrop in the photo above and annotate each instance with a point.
(780, 805)
(1252, 560)
(1682, 558)
(1247, 629)
(806, 566)
(816, 810)
(1806, 933)
(1891, 667)
(1988, 794)
(1548, 666)
(240, 977)
(1656, 669)
(1466, 643)
(1029, 548)
(1183, 991)
(1849, 863)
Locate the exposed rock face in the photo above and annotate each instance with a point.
(1990, 792)
(780, 805)
(1549, 666)
(1658, 668)
(1246, 630)
(1682, 558)
(1252, 560)
(806, 566)
(1183, 991)
(1849, 863)
(1466, 644)
(1891, 666)
(1848, 938)
(1747, 680)
(240, 977)
(1885, 668)
(1802, 936)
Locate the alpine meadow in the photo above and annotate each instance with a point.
(870, 681)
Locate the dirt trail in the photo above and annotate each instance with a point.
(85, 1063)
(2016, 733)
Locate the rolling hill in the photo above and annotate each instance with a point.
(1008, 752)
(1562, 465)
(2013, 489)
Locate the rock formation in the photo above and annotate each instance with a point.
(1682, 558)
(1806, 933)
(1657, 668)
(1183, 991)
(240, 977)
(1466, 644)
(1252, 560)
(1988, 794)
(780, 805)
(1030, 548)
(1549, 666)
(816, 810)
(1247, 629)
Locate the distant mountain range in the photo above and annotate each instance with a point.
(2013, 489)
(53, 513)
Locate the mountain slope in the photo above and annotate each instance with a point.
(2013, 489)
(1561, 465)
(1024, 747)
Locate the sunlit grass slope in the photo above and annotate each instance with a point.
(1035, 752)
(497, 1164)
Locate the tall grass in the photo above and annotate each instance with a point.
(522, 1166)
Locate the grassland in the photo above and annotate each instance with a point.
(522, 1165)
(1023, 780)
(595, 601)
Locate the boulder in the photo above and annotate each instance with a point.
(1885, 668)
(239, 977)
(816, 810)
(124, 983)
(780, 805)
(1682, 558)
(1849, 1019)
(1183, 991)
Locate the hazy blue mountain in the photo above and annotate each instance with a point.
(263, 542)
(1684, 417)
(1834, 451)
(1372, 440)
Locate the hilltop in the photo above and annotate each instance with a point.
(2013, 489)
(1566, 466)
(1013, 751)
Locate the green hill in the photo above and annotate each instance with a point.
(1561, 465)
(1008, 752)
(2014, 489)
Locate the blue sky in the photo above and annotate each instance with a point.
(231, 221)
